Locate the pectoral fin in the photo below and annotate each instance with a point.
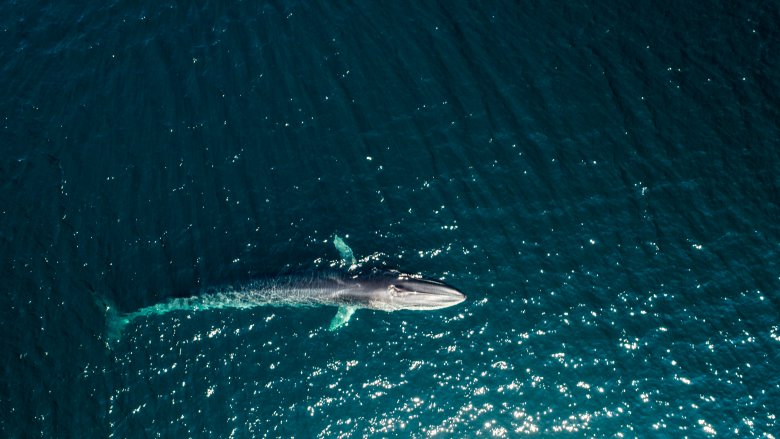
(346, 253)
(342, 317)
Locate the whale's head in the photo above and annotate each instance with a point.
(407, 292)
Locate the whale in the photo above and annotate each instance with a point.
(382, 290)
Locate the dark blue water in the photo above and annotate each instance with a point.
(600, 178)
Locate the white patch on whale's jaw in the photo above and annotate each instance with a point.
(381, 305)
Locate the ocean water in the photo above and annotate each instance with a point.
(600, 178)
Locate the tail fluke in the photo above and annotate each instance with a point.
(115, 319)
(115, 324)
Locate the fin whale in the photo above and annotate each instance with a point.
(378, 290)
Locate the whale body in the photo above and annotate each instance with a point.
(384, 291)
(379, 290)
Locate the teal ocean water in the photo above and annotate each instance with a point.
(600, 178)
